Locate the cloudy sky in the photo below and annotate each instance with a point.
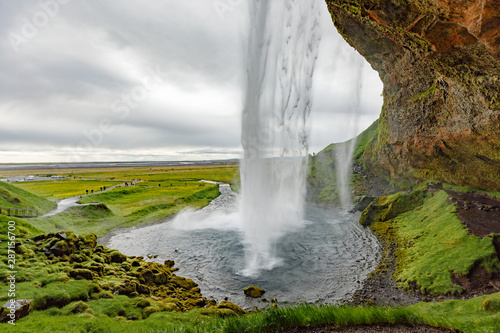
(158, 80)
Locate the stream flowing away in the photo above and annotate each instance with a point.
(323, 261)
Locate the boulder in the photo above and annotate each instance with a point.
(254, 291)
(361, 202)
(15, 309)
(231, 306)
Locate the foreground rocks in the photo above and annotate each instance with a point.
(113, 273)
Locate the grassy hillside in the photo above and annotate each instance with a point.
(15, 197)
(321, 181)
(432, 244)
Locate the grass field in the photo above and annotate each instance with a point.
(61, 189)
(159, 192)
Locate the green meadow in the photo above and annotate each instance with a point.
(158, 193)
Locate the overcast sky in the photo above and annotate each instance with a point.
(148, 80)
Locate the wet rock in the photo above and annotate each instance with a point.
(15, 309)
(169, 263)
(254, 291)
(62, 235)
(361, 202)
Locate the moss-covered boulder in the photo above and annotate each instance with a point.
(231, 306)
(388, 207)
(81, 273)
(181, 282)
(254, 291)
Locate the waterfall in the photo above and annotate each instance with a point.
(282, 50)
(345, 150)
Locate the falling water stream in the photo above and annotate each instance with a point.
(282, 51)
(266, 235)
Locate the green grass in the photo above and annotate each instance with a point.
(432, 242)
(160, 175)
(128, 206)
(60, 189)
(481, 314)
(475, 315)
(15, 197)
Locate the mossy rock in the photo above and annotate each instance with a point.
(97, 268)
(82, 273)
(143, 289)
(154, 278)
(491, 304)
(176, 302)
(192, 303)
(181, 282)
(89, 239)
(386, 208)
(228, 305)
(117, 257)
(169, 263)
(25, 252)
(143, 303)
(74, 308)
(254, 291)
(127, 288)
(126, 266)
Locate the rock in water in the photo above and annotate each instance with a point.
(254, 291)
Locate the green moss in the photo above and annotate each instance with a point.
(425, 94)
(74, 307)
(386, 208)
(432, 242)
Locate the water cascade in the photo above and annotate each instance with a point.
(282, 50)
(345, 150)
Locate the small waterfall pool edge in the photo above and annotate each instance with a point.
(324, 261)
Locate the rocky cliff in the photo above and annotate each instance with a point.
(439, 61)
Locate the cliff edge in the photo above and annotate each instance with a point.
(439, 61)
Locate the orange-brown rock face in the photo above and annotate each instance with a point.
(439, 61)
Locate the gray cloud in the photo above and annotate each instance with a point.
(71, 76)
